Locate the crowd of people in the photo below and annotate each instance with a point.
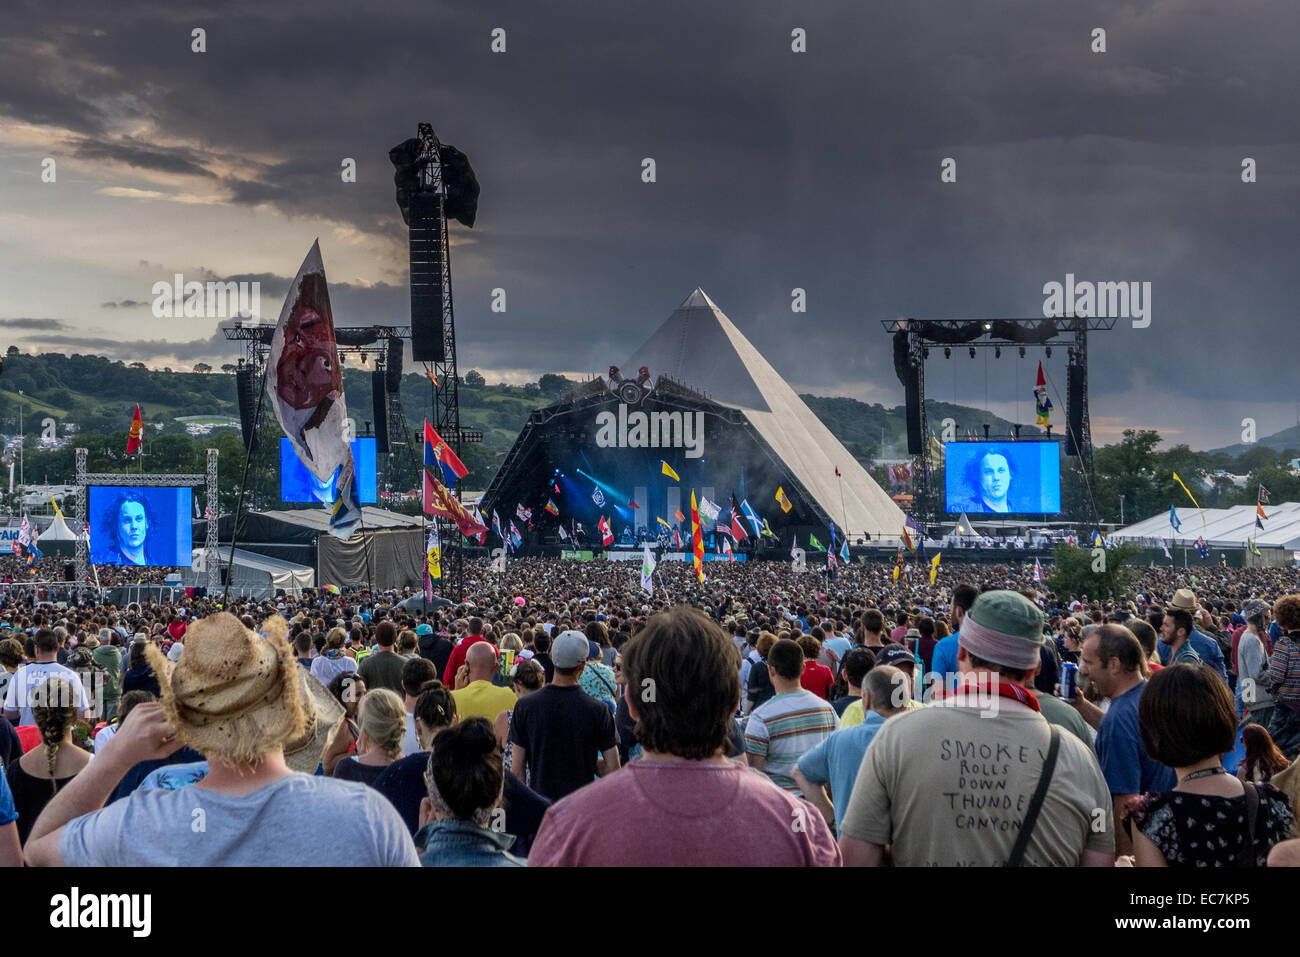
(763, 717)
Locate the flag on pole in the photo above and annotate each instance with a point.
(844, 552)
(304, 384)
(496, 526)
(677, 514)
(782, 500)
(564, 536)
(432, 559)
(515, 538)
(1038, 569)
(552, 507)
(1260, 517)
(737, 528)
(667, 527)
(677, 539)
(1202, 549)
(697, 539)
(1097, 540)
(1263, 496)
(667, 469)
(1042, 404)
(752, 517)
(1173, 519)
(438, 452)
(1190, 495)
(898, 564)
(813, 543)
(598, 497)
(647, 570)
(708, 512)
(606, 533)
(133, 437)
(440, 500)
(907, 540)
(726, 549)
(1165, 546)
(57, 511)
(767, 530)
(794, 547)
(1254, 549)
(523, 514)
(934, 568)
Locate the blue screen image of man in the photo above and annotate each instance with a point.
(989, 485)
(124, 532)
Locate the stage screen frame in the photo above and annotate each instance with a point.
(1036, 465)
(169, 541)
(364, 458)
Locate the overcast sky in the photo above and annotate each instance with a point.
(774, 170)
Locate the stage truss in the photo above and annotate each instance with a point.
(146, 480)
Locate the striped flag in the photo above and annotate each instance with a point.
(697, 539)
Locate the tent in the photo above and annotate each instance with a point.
(386, 550)
(256, 576)
(1221, 528)
(57, 539)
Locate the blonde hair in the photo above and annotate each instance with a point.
(382, 718)
(335, 638)
(512, 642)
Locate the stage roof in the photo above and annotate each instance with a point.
(701, 348)
(318, 519)
(1222, 528)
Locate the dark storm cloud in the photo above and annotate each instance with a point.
(143, 157)
(775, 170)
(24, 322)
(139, 350)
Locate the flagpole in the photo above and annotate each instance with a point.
(844, 512)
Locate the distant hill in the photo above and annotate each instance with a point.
(98, 395)
(1280, 441)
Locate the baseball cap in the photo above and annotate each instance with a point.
(569, 650)
(894, 655)
(593, 650)
(424, 628)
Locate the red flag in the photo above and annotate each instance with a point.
(679, 516)
(697, 539)
(606, 535)
(737, 527)
(677, 539)
(137, 426)
(439, 501)
(438, 452)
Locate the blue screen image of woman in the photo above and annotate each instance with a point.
(124, 531)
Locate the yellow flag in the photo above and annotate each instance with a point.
(668, 470)
(896, 570)
(1191, 496)
(934, 568)
(435, 563)
(57, 510)
(784, 502)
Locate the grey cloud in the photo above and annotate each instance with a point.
(130, 153)
(123, 304)
(24, 322)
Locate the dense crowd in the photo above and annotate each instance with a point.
(563, 715)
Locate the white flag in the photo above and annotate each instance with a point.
(304, 383)
(1165, 546)
(708, 513)
(647, 570)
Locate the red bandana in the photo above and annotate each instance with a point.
(1005, 689)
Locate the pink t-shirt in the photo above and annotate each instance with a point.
(683, 814)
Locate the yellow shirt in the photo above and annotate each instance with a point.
(853, 713)
(482, 699)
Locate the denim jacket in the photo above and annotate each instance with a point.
(462, 844)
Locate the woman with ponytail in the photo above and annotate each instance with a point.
(462, 824)
(40, 773)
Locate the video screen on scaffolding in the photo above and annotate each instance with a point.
(1012, 477)
(132, 525)
(299, 485)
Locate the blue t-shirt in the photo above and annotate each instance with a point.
(838, 758)
(8, 813)
(1124, 761)
(943, 659)
(839, 644)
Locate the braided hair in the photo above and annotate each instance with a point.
(54, 709)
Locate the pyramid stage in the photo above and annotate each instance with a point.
(699, 401)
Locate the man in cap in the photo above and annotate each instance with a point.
(1206, 648)
(242, 702)
(562, 737)
(954, 783)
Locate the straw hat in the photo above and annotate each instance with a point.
(237, 696)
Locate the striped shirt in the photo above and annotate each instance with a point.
(1284, 670)
(784, 729)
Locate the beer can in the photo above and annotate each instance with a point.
(1069, 680)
